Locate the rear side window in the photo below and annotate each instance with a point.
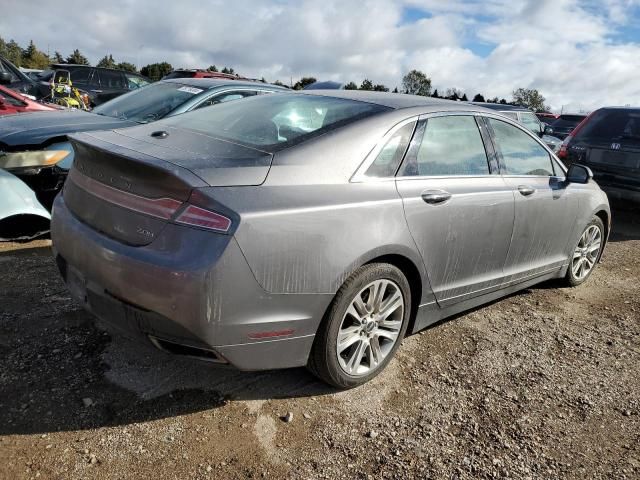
(521, 154)
(110, 79)
(612, 125)
(450, 145)
(387, 162)
(80, 75)
(530, 121)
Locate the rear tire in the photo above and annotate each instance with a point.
(586, 253)
(369, 315)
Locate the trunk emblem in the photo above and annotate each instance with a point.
(615, 146)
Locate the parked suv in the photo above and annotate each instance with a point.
(565, 124)
(527, 118)
(101, 84)
(608, 141)
(13, 78)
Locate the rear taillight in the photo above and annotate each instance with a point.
(199, 217)
(564, 148)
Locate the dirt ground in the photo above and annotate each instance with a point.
(543, 384)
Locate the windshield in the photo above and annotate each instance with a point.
(274, 122)
(149, 103)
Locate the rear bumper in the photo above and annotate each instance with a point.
(189, 287)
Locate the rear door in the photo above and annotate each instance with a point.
(458, 208)
(543, 219)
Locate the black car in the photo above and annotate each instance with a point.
(101, 84)
(565, 124)
(608, 141)
(12, 77)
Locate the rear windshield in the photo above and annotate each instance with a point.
(150, 103)
(568, 121)
(274, 122)
(612, 125)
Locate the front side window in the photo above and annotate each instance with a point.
(451, 145)
(387, 161)
(530, 121)
(134, 81)
(80, 75)
(521, 154)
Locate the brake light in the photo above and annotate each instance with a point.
(564, 148)
(199, 217)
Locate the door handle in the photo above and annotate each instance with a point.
(526, 190)
(434, 197)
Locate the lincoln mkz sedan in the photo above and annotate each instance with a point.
(317, 228)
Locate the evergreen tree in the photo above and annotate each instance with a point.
(351, 86)
(77, 58)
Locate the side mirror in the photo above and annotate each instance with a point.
(5, 78)
(548, 130)
(579, 174)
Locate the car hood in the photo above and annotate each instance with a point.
(36, 128)
(219, 163)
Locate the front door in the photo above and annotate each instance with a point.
(543, 221)
(459, 210)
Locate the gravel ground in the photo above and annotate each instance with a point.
(542, 384)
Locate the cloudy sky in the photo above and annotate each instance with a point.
(580, 53)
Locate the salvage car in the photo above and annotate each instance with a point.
(22, 217)
(13, 102)
(565, 124)
(608, 141)
(35, 146)
(13, 78)
(317, 228)
(99, 84)
(529, 119)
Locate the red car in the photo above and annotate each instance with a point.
(199, 73)
(13, 102)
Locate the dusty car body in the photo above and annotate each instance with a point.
(22, 217)
(36, 137)
(240, 234)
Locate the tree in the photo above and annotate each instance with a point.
(366, 85)
(503, 101)
(453, 94)
(493, 100)
(14, 53)
(351, 86)
(212, 68)
(228, 70)
(416, 83)
(395, 90)
(378, 87)
(435, 94)
(107, 62)
(279, 83)
(303, 82)
(155, 71)
(77, 58)
(530, 98)
(478, 98)
(34, 58)
(464, 98)
(127, 67)
(57, 57)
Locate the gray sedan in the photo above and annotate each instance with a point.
(317, 228)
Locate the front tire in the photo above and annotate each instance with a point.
(586, 253)
(363, 327)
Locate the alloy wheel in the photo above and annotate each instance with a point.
(586, 252)
(370, 327)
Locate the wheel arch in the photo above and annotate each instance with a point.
(605, 216)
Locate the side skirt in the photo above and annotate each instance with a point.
(431, 313)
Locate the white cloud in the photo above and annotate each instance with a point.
(572, 51)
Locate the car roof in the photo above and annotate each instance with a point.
(502, 107)
(394, 100)
(207, 83)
